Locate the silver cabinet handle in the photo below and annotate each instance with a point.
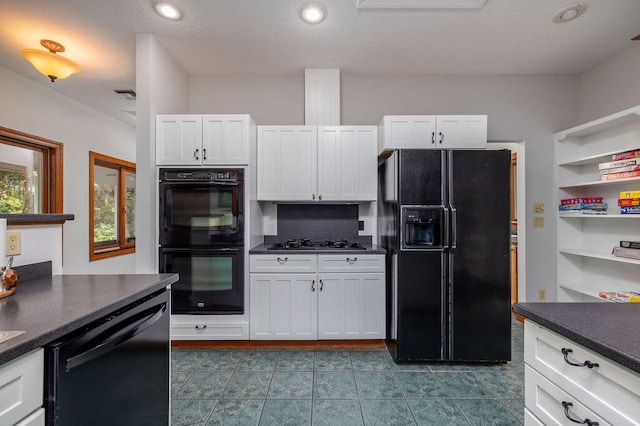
(321, 285)
(433, 137)
(313, 285)
(204, 153)
(313, 196)
(281, 260)
(587, 363)
(441, 137)
(200, 328)
(587, 422)
(195, 154)
(320, 197)
(352, 260)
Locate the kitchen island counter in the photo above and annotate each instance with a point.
(51, 307)
(606, 328)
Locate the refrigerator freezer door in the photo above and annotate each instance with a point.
(480, 281)
(422, 177)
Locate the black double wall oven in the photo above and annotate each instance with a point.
(201, 218)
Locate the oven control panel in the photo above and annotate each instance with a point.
(201, 175)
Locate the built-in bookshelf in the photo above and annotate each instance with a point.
(585, 241)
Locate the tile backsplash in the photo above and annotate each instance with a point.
(317, 221)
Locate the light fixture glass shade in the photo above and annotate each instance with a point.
(49, 64)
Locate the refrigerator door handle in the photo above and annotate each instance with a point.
(454, 226)
(445, 241)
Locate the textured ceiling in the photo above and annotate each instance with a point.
(219, 37)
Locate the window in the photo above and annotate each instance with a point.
(30, 174)
(112, 195)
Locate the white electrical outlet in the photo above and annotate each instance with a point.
(13, 243)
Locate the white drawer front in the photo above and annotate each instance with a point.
(351, 262)
(545, 401)
(210, 331)
(21, 387)
(283, 263)
(609, 389)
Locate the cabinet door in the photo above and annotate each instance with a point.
(283, 307)
(408, 131)
(225, 139)
(287, 163)
(347, 163)
(179, 139)
(351, 306)
(461, 131)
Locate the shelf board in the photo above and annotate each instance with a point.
(600, 158)
(595, 126)
(600, 182)
(599, 255)
(577, 288)
(600, 216)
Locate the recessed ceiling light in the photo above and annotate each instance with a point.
(168, 10)
(312, 13)
(569, 12)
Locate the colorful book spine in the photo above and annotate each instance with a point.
(627, 296)
(630, 244)
(619, 170)
(622, 175)
(626, 155)
(583, 206)
(630, 194)
(607, 295)
(622, 163)
(628, 253)
(629, 202)
(582, 200)
(630, 210)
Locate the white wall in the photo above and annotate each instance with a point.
(34, 108)
(162, 88)
(611, 86)
(529, 108)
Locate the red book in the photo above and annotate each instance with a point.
(625, 155)
(623, 175)
(629, 202)
(619, 169)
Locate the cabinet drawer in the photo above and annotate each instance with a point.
(351, 262)
(21, 387)
(283, 263)
(609, 389)
(545, 400)
(204, 330)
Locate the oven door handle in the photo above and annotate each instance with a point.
(168, 211)
(202, 185)
(202, 250)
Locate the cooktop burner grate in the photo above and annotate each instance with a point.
(306, 243)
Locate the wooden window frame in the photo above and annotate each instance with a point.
(121, 247)
(52, 162)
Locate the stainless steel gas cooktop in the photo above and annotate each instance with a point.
(307, 244)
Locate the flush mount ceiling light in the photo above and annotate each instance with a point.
(312, 13)
(569, 13)
(168, 10)
(49, 63)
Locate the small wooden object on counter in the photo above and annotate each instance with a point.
(9, 278)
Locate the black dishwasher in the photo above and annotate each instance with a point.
(114, 371)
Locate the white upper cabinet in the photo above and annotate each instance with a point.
(309, 163)
(347, 163)
(192, 139)
(432, 132)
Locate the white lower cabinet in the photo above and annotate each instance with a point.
(558, 392)
(21, 390)
(293, 298)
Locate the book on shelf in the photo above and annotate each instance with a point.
(621, 163)
(619, 169)
(621, 175)
(627, 296)
(578, 212)
(626, 202)
(630, 210)
(630, 244)
(583, 206)
(582, 200)
(607, 295)
(630, 194)
(625, 155)
(628, 253)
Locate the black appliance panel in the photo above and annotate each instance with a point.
(480, 274)
(201, 207)
(114, 371)
(421, 177)
(211, 280)
(423, 228)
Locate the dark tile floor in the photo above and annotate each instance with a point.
(341, 387)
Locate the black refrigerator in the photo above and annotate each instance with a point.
(444, 220)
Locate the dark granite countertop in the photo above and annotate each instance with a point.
(610, 329)
(49, 308)
(370, 249)
(37, 218)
